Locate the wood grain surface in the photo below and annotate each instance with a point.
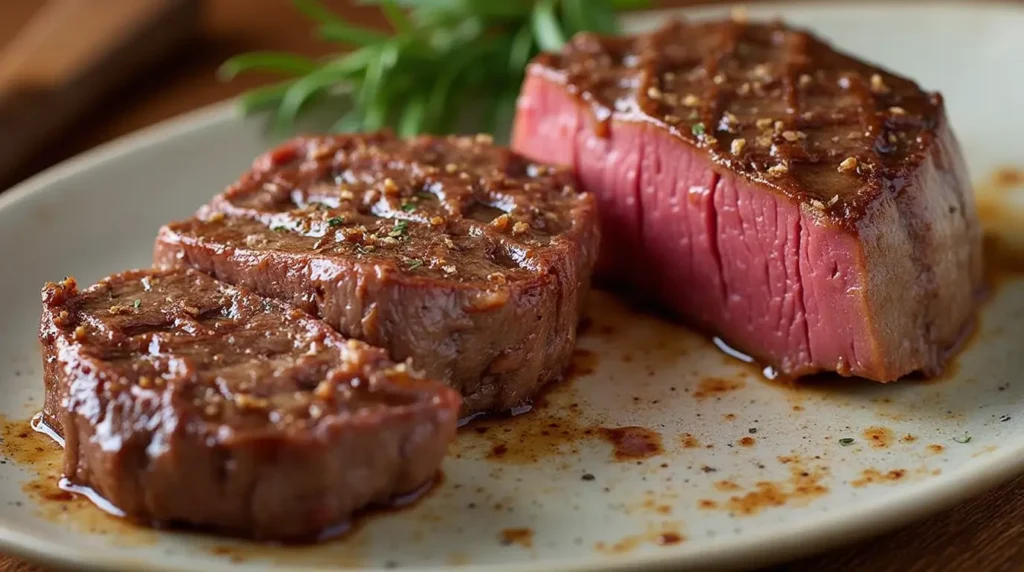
(986, 534)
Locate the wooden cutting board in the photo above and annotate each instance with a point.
(68, 59)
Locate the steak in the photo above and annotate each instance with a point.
(812, 209)
(183, 400)
(458, 254)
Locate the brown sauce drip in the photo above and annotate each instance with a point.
(874, 477)
(664, 534)
(521, 536)
(29, 446)
(36, 447)
(1003, 241)
(552, 426)
(633, 443)
(879, 437)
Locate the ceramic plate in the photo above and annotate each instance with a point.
(661, 452)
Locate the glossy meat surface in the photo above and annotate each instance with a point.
(461, 255)
(811, 209)
(183, 400)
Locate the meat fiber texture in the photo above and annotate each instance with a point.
(185, 401)
(816, 239)
(452, 252)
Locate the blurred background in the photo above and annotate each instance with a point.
(156, 59)
(77, 73)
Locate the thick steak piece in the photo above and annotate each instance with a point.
(185, 401)
(811, 209)
(461, 255)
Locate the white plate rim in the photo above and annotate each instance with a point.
(870, 518)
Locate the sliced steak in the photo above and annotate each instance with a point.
(810, 208)
(183, 400)
(463, 256)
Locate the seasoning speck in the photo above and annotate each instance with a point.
(752, 430)
(136, 304)
(1004, 418)
(897, 111)
(697, 129)
(413, 263)
(778, 170)
(848, 164)
(966, 438)
(737, 146)
(846, 441)
(878, 85)
(399, 228)
(335, 221)
(587, 477)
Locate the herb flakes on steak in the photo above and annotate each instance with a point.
(459, 254)
(183, 400)
(812, 209)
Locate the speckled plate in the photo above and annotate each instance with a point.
(662, 452)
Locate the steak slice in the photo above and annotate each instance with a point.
(183, 400)
(453, 252)
(810, 208)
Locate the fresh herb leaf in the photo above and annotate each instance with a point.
(413, 263)
(442, 57)
(399, 228)
(966, 438)
(288, 64)
(546, 27)
(697, 129)
(136, 304)
(335, 221)
(408, 207)
(846, 441)
(279, 228)
(1004, 418)
(752, 430)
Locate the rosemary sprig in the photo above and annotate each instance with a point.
(444, 57)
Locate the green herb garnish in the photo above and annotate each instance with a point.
(413, 263)
(335, 221)
(697, 129)
(752, 430)
(424, 196)
(408, 207)
(443, 56)
(279, 228)
(846, 441)
(963, 440)
(399, 228)
(136, 304)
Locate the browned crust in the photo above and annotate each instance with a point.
(169, 466)
(815, 125)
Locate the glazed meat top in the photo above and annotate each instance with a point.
(457, 209)
(773, 103)
(183, 344)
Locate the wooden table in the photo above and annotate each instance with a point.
(985, 534)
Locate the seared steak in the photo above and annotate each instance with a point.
(183, 400)
(810, 208)
(453, 252)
